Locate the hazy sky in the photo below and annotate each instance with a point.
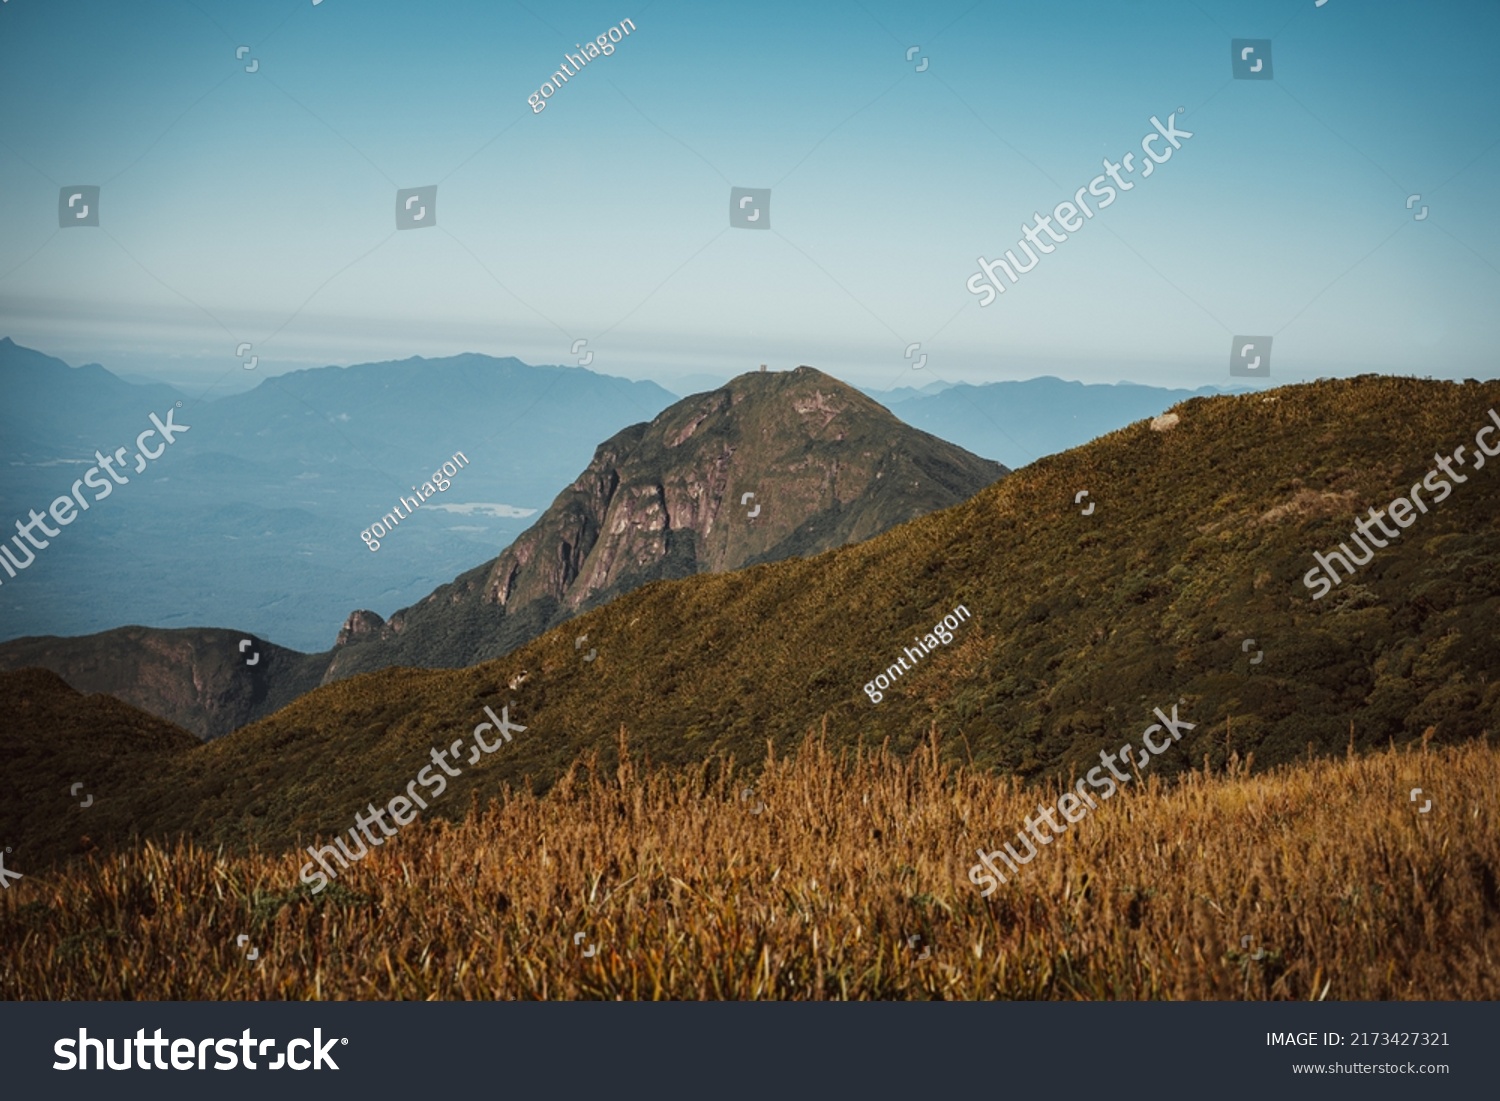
(261, 206)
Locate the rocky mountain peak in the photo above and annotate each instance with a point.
(359, 624)
(770, 465)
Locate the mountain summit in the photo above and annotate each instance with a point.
(769, 466)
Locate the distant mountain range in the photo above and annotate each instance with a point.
(770, 466)
(1179, 589)
(253, 517)
(1017, 423)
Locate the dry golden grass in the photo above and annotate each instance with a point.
(691, 895)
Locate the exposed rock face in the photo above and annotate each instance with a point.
(358, 625)
(770, 466)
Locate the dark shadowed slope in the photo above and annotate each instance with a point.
(200, 678)
(53, 738)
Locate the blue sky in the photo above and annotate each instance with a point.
(260, 207)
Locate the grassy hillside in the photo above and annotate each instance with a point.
(850, 871)
(1081, 626)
